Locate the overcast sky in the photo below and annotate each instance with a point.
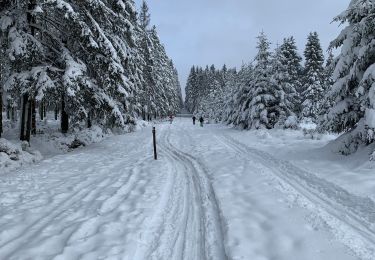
(203, 32)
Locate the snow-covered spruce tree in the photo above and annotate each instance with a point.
(105, 50)
(83, 56)
(313, 82)
(196, 88)
(354, 89)
(159, 92)
(292, 62)
(189, 90)
(260, 107)
(239, 95)
(1, 109)
(327, 101)
(166, 84)
(286, 70)
(220, 93)
(205, 91)
(77, 60)
(3, 72)
(230, 89)
(31, 63)
(178, 86)
(148, 82)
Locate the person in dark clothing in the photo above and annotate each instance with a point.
(201, 120)
(194, 118)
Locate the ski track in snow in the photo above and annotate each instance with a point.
(351, 217)
(76, 213)
(187, 224)
(113, 201)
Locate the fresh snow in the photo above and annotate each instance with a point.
(215, 193)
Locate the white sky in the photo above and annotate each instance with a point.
(204, 32)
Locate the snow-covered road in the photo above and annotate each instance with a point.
(209, 196)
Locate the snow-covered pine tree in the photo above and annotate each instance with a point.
(3, 72)
(189, 90)
(313, 82)
(178, 86)
(219, 94)
(260, 105)
(80, 57)
(148, 93)
(354, 89)
(327, 101)
(1, 108)
(286, 75)
(30, 61)
(167, 99)
(237, 94)
(292, 62)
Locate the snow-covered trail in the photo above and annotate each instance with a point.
(352, 216)
(112, 201)
(187, 224)
(84, 205)
(208, 197)
(273, 209)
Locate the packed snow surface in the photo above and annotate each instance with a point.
(215, 193)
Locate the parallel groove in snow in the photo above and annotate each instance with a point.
(80, 206)
(192, 216)
(357, 213)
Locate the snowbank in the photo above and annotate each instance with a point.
(56, 142)
(50, 142)
(13, 157)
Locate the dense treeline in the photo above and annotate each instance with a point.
(92, 62)
(277, 90)
(272, 91)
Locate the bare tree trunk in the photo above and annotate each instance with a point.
(144, 114)
(25, 97)
(1, 112)
(8, 111)
(44, 110)
(64, 117)
(29, 121)
(41, 110)
(27, 114)
(33, 116)
(89, 123)
(13, 114)
(56, 111)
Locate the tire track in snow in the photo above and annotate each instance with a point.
(351, 216)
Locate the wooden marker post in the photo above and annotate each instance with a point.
(154, 138)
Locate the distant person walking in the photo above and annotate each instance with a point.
(171, 119)
(194, 118)
(201, 120)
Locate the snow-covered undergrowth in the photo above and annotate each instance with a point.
(75, 139)
(12, 156)
(46, 143)
(354, 141)
(49, 141)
